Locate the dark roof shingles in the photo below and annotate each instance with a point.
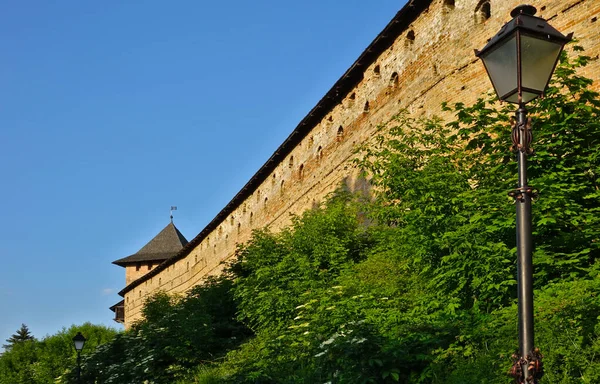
(167, 243)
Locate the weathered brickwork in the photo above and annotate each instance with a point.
(429, 62)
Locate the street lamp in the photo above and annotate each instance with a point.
(78, 343)
(520, 60)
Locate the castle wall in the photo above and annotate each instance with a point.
(430, 62)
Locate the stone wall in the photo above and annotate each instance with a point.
(429, 62)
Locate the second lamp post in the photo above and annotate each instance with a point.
(78, 342)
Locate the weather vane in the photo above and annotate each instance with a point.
(173, 208)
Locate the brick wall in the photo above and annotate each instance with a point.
(431, 61)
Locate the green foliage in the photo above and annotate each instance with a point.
(324, 294)
(50, 359)
(17, 365)
(305, 257)
(566, 330)
(177, 334)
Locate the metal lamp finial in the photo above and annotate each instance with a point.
(524, 9)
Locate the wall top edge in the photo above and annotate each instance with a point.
(342, 87)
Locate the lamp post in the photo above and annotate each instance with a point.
(520, 60)
(78, 343)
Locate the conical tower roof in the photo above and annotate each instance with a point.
(164, 245)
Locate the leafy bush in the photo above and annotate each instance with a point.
(176, 335)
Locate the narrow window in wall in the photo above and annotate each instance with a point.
(274, 179)
(483, 11)
(291, 162)
(159, 281)
(258, 196)
(251, 217)
(410, 38)
(377, 71)
(301, 171)
(281, 189)
(215, 249)
(128, 299)
(351, 99)
(340, 133)
(140, 293)
(226, 238)
(394, 80)
(366, 108)
(266, 200)
(207, 241)
(311, 141)
(319, 153)
(244, 209)
(448, 5)
(239, 228)
(220, 231)
(231, 220)
(330, 118)
(187, 267)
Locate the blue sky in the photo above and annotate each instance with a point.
(111, 112)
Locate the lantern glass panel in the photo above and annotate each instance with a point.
(501, 65)
(538, 58)
(79, 344)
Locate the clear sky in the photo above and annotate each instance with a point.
(112, 111)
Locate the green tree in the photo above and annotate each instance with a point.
(17, 364)
(48, 360)
(21, 335)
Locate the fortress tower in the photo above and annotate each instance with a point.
(167, 243)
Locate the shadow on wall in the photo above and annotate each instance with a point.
(358, 185)
(355, 185)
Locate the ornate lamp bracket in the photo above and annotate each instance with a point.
(522, 129)
(533, 364)
(519, 193)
